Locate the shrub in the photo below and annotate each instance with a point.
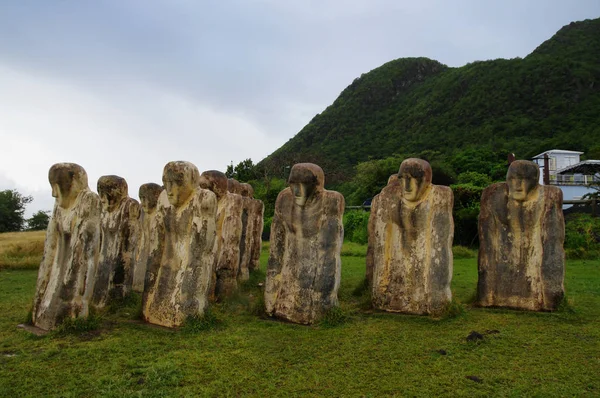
(355, 226)
(463, 252)
(582, 236)
(266, 233)
(352, 249)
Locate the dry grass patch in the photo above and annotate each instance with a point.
(21, 250)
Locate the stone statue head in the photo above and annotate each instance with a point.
(234, 186)
(67, 181)
(393, 180)
(215, 181)
(306, 181)
(180, 180)
(112, 190)
(415, 178)
(149, 194)
(247, 190)
(522, 179)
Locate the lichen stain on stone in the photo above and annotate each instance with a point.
(410, 243)
(228, 235)
(149, 194)
(182, 258)
(119, 228)
(521, 232)
(303, 272)
(65, 277)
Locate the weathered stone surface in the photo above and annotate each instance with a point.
(256, 215)
(246, 240)
(409, 260)
(252, 220)
(71, 249)
(148, 194)
(181, 261)
(234, 186)
(303, 274)
(521, 234)
(229, 234)
(119, 232)
(392, 180)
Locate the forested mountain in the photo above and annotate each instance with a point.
(461, 119)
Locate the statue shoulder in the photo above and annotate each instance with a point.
(552, 191)
(206, 198)
(334, 201)
(497, 190)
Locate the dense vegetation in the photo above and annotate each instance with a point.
(460, 119)
(465, 121)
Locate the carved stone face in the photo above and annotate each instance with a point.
(415, 178)
(306, 181)
(149, 194)
(215, 181)
(67, 181)
(522, 179)
(234, 186)
(180, 180)
(112, 190)
(247, 190)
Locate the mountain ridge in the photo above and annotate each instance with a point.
(411, 106)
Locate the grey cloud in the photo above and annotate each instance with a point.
(255, 56)
(214, 82)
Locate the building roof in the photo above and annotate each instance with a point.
(587, 167)
(541, 155)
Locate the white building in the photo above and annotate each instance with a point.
(569, 173)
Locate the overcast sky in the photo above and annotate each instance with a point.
(122, 87)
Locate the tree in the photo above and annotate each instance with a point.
(39, 221)
(12, 208)
(243, 172)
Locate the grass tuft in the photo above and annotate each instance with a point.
(205, 322)
(453, 309)
(566, 306)
(334, 317)
(79, 325)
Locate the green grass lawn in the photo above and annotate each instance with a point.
(371, 354)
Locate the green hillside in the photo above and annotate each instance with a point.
(464, 119)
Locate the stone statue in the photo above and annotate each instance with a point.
(65, 275)
(392, 180)
(229, 234)
(256, 211)
(181, 261)
(119, 232)
(521, 234)
(303, 274)
(148, 194)
(409, 261)
(246, 241)
(233, 186)
(252, 219)
(237, 188)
